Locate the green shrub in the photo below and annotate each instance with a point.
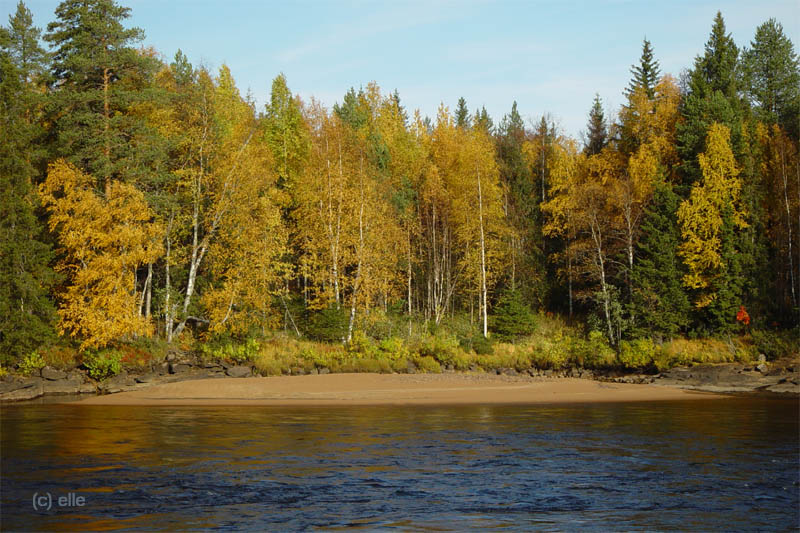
(442, 347)
(268, 367)
(512, 319)
(637, 354)
(102, 364)
(428, 364)
(394, 348)
(482, 345)
(31, 364)
(462, 361)
(229, 350)
(328, 325)
(776, 344)
(361, 344)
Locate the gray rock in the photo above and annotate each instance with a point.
(762, 367)
(762, 358)
(324, 370)
(314, 372)
(548, 373)
(177, 368)
(87, 388)
(298, 372)
(120, 383)
(162, 368)
(238, 371)
(147, 378)
(52, 374)
(62, 386)
(11, 386)
(33, 389)
(211, 365)
(226, 365)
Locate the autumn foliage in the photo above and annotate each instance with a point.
(178, 208)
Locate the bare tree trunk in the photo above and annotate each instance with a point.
(569, 282)
(483, 259)
(199, 249)
(106, 127)
(168, 317)
(357, 282)
(788, 224)
(144, 301)
(598, 241)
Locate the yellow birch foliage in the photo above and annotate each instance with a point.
(103, 241)
(701, 216)
(245, 259)
(346, 227)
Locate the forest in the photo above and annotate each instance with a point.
(147, 203)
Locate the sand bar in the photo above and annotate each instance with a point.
(391, 389)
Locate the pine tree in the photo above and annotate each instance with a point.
(772, 77)
(98, 76)
(25, 275)
(597, 133)
(645, 74)
(660, 305)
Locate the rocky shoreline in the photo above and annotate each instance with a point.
(778, 377)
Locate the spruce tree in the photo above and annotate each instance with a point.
(659, 303)
(597, 133)
(526, 268)
(25, 275)
(712, 97)
(483, 121)
(512, 318)
(463, 119)
(645, 74)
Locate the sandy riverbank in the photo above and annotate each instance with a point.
(391, 389)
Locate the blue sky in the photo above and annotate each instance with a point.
(549, 56)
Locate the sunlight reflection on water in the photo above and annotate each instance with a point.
(640, 466)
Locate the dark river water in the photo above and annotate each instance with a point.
(691, 465)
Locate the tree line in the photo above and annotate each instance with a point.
(148, 198)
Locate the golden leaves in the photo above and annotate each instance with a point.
(701, 217)
(103, 241)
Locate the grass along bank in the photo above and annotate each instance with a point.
(401, 347)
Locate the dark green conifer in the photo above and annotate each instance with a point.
(597, 131)
(645, 74)
(659, 303)
(463, 119)
(772, 77)
(28, 316)
(97, 77)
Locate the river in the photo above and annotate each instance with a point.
(688, 465)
